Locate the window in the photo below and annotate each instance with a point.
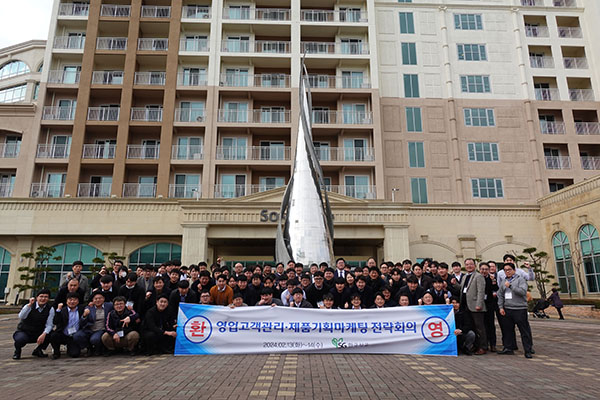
(232, 186)
(411, 85)
(472, 52)
(475, 84)
(485, 188)
(13, 94)
(191, 111)
(322, 151)
(409, 54)
(69, 252)
(270, 182)
(562, 260)
(189, 148)
(590, 252)
(272, 114)
(354, 113)
(352, 46)
(418, 188)
(404, 1)
(235, 148)
(469, 22)
(356, 150)
(154, 254)
(352, 79)
(272, 150)
(416, 155)
(407, 23)
(36, 91)
(13, 68)
(235, 112)
(483, 151)
(413, 119)
(555, 186)
(479, 117)
(357, 186)
(186, 186)
(4, 269)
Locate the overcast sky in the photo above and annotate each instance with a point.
(22, 20)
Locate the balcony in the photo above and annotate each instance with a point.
(193, 45)
(587, 128)
(58, 113)
(55, 151)
(10, 150)
(231, 191)
(575, 62)
(107, 77)
(115, 10)
(351, 16)
(263, 153)
(254, 116)
(581, 94)
(569, 32)
(541, 62)
(337, 82)
(139, 190)
(532, 3)
(150, 78)
(192, 79)
(552, 128)
(190, 115)
(365, 192)
(111, 43)
(69, 42)
(94, 189)
(189, 152)
(146, 114)
(547, 94)
(143, 152)
(590, 163)
(342, 117)
(73, 10)
(258, 14)
(46, 190)
(195, 12)
(99, 151)
(256, 46)
(6, 189)
(558, 162)
(360, 154)
(536, 31)
(260, 81)
(183, 191)
(334, 48)
(103, 113)
(64, 77)
(564, 3)
(156, 12)
(153, 44)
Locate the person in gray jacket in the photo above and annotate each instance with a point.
(512, 302)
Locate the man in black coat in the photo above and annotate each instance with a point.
(72, 287)
(133, 293)
(316, 291)
(364, 291)
(341, 294)
(69, 323)
(183, 294)
(158, 329)
(412, 290)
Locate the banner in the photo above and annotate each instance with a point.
(397, 330)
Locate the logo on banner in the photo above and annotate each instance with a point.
(435, 330)
(197, 329)
(339, 343)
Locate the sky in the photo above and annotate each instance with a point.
(22, 20)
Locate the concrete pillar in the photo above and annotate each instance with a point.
(395, 243)
(24, 245)
(194, 244)
(467, 246)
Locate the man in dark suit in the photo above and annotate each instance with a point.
(412, 290)
(94, 322)
(340, 271)
(183, 294)
(491, 303)
(364, 291)
(472, 299)
(69, 323)
(298, 299)
(133, 293)
(71, 287)
(158, 329)
(423, 280)
(440, 296)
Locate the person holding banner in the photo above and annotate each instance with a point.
(158, 329)
(298, 299)
(266, 298)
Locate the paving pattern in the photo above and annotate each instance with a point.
(565, 366)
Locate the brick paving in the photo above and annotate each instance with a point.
(564, 367)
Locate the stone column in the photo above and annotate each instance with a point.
(467, 246)
(395, 243)
(194, 244)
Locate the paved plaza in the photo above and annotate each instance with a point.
(564, 367)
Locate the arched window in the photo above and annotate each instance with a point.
(590, 252)
(13, 94)
(41, 67)
(13, 68)
(69, 252)
(562, 260)
(155, 254)
(4, 269)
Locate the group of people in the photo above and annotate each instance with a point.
(136, 311)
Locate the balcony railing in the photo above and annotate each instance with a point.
(189, 152)
(541, 62)
(47, 190)
(342, 117)
(64, 77)
(73, 10)
(150, 78)
(69, 42)
(99, 151)
(153, 44)
(115, 10)
(53, 151)
(111, 43)
(10, 150)
(192, 79)
(532, 3)
(107, 77)
(183, 191)
(103, 113)
(267, 153)
(143, 152)
(333, 16)
(356, 191)
(569, 32)
(575, 62)
(156, 11)
(94, 189)
(345, 154)
(564, 3)
(261, 14)
(190, 115)
(6, 189)
(255, 46)
(196, 12)
(194, 45)
(338, 82)
(590, 163)
(334, 48)
(552, 128)
(254, 116)
(587, 128)
(139, 190)
(536, 31)
(58, 113)
(231, 191)
(262, 80)
(547, 94)
(558, 162)
(581, 94)
(146, 114)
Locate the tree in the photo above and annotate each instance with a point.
(577, 263)
(35, 277)
(98, 261)
(538, 260)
